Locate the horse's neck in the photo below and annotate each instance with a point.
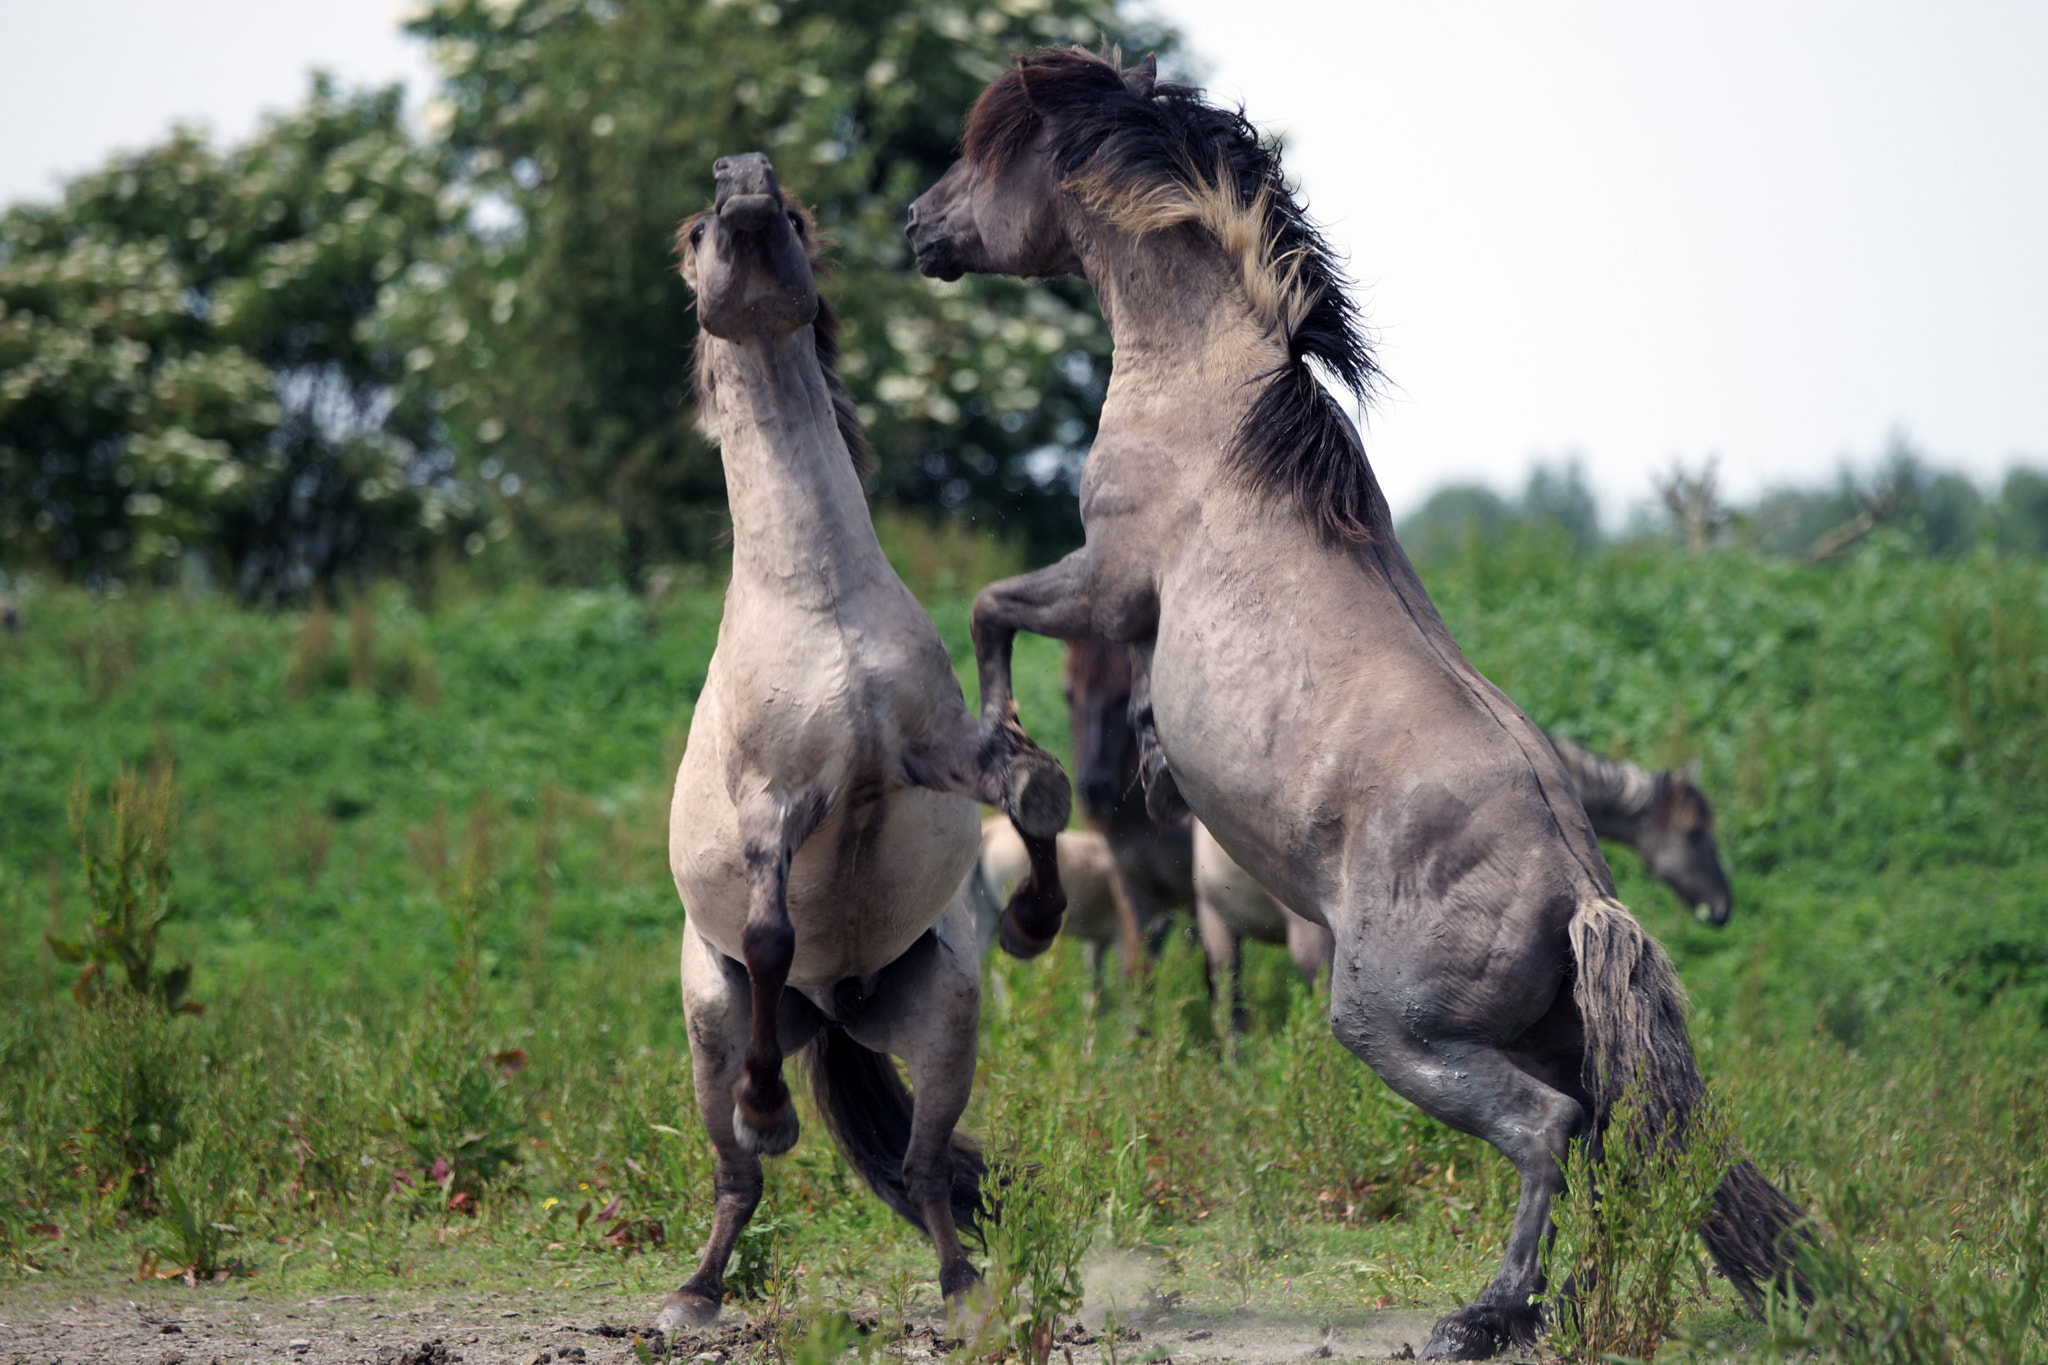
(790, 484)
(1177, 315)
(1616, 793)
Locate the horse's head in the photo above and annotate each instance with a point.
(747, 258)
(1002, 207)
(1677, 844)
(1098, 690)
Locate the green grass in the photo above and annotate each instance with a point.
(422, 880)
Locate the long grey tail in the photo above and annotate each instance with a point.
(1633, 1010)
(867, 1107)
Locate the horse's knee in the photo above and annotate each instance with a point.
(769, 944)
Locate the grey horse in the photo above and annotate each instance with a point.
(1310, 705)
(825, 811)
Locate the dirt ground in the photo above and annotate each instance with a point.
(173, 1325)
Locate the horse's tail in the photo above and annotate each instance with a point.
(867, 1107)
(1633, 1010)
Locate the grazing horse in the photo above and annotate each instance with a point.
(1309, 702)
(1663, 816)
(1153, 858)
(825, 812)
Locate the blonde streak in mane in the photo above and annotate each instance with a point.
(1137, 209)
(1272, 283)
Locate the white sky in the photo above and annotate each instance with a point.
(1772, 231)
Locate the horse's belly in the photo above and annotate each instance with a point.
(862, 887)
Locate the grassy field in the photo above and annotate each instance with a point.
(421, 881)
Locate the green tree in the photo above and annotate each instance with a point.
(198, 357)
(588, 128)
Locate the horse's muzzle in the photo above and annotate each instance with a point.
(748, 198)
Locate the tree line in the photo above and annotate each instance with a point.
(358, 345)
(1923, 509)
(349, 347)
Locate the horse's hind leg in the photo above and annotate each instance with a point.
(1473, 1086)
(1222, 953)
(926, 1009)
(718, 1007)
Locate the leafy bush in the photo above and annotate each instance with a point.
(1627, 1233)
(127, 872)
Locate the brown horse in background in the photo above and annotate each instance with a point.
(1153, 858)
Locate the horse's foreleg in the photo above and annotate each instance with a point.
(1221, 952)
(1310, 945)
(1026, 782)
(763, 1118)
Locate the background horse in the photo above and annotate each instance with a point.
(1313, 709)
(825, 810)
(1153, 858)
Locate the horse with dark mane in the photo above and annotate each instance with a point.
(1310, 705)
(1663, 815)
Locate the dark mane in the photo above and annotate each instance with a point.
(1149, 155)
(824, 331)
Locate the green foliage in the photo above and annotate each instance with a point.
(1627, 1230)
(1924, 1307)
(127, 873)
(129, 1070)
(198, 359)
(1871, 1019)
(589, 131)
(1048, 1199)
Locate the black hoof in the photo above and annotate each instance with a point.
(1014, 941)
(686, 1308)
(1038, 799)
(773, 1140)
(1162, 794)
(1480, 1332)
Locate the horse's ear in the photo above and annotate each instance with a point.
(1690, 773)
(1140, 79)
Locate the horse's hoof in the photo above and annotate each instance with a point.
(1480, 1331)
(1014, 941)
(970, 1309)
(1163, 801)
(777, 1138)
(684, 1309)
(1039, 799)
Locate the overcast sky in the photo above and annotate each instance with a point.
(1635, 233)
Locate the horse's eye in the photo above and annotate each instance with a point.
(697, 233)
(796, 220)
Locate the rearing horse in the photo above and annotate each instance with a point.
(825, 809)
(1309, 701)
